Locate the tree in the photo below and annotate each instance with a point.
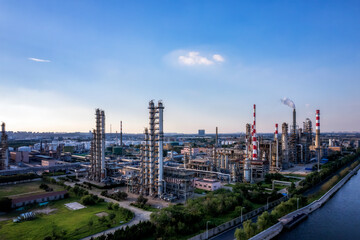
(43, 186)
(264, 221)
(240, 234)
(249, 228)
(112, 216)
(110, 206)
(5, 204)
(116, 206)
(88, 200)
(141, 200)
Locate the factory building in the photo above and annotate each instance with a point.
(97, 149)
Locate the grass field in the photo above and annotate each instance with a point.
(25, 189)
(67, 223)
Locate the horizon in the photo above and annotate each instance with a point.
(208, 61)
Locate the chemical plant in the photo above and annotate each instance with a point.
(156, 170)
(170, 167)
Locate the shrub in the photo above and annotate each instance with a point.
(88, 200)
(5, 204)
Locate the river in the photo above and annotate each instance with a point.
(339, 218)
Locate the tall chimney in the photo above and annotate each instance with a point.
(317, 133)
(294, 121)
(216, 138)
(121, 143)
(254, 143)
(277, 145)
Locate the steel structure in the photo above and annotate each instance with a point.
(97, 149)
(152, 166)
(247, 162)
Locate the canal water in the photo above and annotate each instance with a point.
(339, 218)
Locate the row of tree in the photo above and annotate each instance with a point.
(17, 177)
(142, 230)
(266, 219)
(327, 170)
(118, 196)
(181, 220)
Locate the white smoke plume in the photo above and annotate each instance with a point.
(288, 102)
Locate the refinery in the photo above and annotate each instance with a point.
(171, 167)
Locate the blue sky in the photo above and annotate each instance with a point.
(209, 61)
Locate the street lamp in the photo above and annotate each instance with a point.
(207, 230)
(267, 203)
(297, 203)
(241, 214)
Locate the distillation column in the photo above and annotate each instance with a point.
(161, 139)
(247, 163)
(103, 170)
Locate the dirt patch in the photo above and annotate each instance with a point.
(102, 214)
(46, 210)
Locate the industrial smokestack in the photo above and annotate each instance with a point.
(121, 142)
(294, 121)
(254, 143)
(277, 145)
(216, 138)
(317, 136)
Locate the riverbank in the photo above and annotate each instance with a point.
(277, 228)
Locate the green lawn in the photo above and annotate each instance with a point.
(75, 223)
(23, 188)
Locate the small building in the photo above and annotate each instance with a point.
(22, 201)
(48, 163)
(20, 156)
(207, 184)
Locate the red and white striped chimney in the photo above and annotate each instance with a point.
(276, 131)
(317, 132)
(254, 142)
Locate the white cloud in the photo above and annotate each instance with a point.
(38, 60)
(193, 58)
(218, 58)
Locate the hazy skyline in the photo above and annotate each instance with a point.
(209, 61)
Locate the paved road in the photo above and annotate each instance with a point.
(139, 214)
